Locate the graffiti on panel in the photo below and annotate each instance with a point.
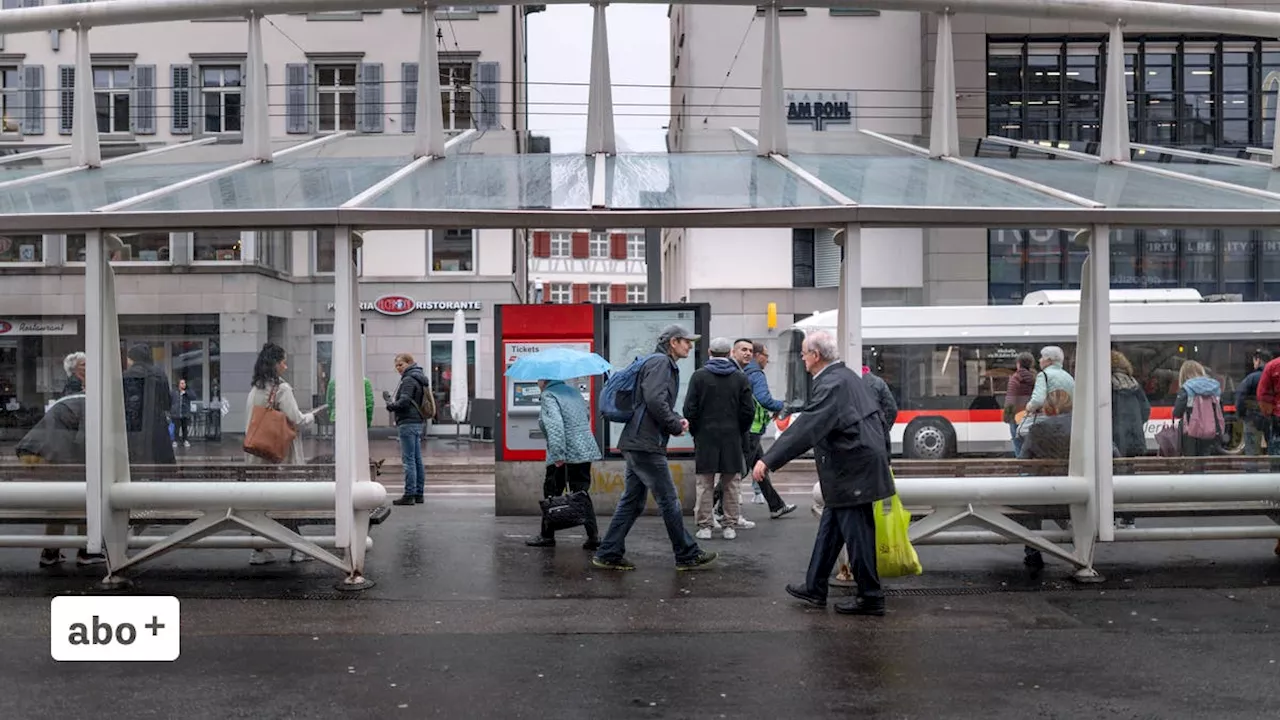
(605, 480)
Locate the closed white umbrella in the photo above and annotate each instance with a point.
(458, 390)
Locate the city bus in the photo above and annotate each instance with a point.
(949, 367)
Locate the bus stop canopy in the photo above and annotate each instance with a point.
(831, 178)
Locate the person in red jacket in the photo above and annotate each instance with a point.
(1268, 390)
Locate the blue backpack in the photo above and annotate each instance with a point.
(618, 396)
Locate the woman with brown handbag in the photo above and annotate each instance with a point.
(274, 419)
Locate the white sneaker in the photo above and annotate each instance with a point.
(261, 557)
(730, 533)
(299, 557)
(745, 524)
(703, 534)
(175, 444)
(186, 443)
(715, 521)
(758, 499)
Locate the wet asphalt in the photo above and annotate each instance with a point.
(467, 622)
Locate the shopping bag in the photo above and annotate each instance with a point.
(566, 511)
(894, 555)
(1169, 441)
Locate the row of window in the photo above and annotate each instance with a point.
(208, 98)
(1215, 262)
(1181, 91)
(566, 293)
(450, 251)
(598, 246)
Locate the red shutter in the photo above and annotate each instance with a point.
(541, 243)
(580, 293)
(618, 293)
(581, 245)
(618, 248)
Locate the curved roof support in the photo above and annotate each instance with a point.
(1115, 108)
(600, 135)
(944, 128)
(773, 121)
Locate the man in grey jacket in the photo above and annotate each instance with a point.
(644, 446)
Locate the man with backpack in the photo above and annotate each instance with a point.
(642, 397)
(412, 406)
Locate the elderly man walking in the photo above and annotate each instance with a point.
(842, 424)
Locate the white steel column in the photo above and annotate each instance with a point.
(1270, 82)
(849, 297)
(428, 129)
(773, 119)
(106, 451)
(350, 434)
(944, 130)
(257, 131)
(84, 124)
(1100, 364)
(600, 134)
(1085, 414)
(1115, 106)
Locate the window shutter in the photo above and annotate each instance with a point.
(618, 247)
(542, 243)
(66, 98)
(143, 100)
(297, 110)
(408, 97)
(581, 245)
(617, 293)
(180, 99)
(581, 291)
(802, 257)
(826, 259)
(32, 99)
(486, 110)
(369, 102)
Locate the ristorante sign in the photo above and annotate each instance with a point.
(394, 305)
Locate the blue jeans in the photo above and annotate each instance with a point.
(1017, 441)
(415, 476)
(647, 472)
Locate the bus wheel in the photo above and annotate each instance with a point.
(929, 439)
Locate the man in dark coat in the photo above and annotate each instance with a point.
(643, 443)
(719, 407)
(841, 422)
(147, 401)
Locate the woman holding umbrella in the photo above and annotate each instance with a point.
(565, 420)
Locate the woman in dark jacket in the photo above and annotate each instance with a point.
(147, 400)
(1021, 384)
(719, 407)
(1130, 409)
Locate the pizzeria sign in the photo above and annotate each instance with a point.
(394, 305)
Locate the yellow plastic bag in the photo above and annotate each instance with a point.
(894, 555)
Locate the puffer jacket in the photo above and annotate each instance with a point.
(1130, 411)
(565, 421)
(413, 386)
(1021, 385)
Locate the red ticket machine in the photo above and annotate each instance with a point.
(523, 330)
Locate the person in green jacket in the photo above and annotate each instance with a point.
(368, 402)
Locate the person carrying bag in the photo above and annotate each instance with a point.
(270, 435)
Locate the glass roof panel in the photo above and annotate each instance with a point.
(652, 140)
(840, 142)
(25, 167)
(1121, 187)
(290, 183)
(87, 190)
(919, 181)
(494, 182)
(690, 181)
(1258, 178)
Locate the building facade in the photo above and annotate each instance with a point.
(207, 301)
(1038, 80)
(576, 266)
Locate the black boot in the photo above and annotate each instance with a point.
(540, 541)
(406, 500)
(419, 499)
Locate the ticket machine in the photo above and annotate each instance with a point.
(524, 330)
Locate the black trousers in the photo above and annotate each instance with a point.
(574, 477)
(854, 527)
(183, 427)
(751, 452)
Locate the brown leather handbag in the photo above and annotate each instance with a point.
(270, 434)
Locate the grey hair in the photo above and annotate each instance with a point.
(69, 362)
(824, 344)
(1054, 354)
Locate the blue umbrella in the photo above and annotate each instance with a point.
(558, 364)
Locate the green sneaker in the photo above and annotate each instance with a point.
(621, 564)
(703, 559)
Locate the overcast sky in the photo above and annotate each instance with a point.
(560, 68)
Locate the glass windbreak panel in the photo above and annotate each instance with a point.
(1270, 265)
(1124, 259)
(920, 181)
(706, 181)
(1200, 261)
(1160, 258)
(1239, 266)
(88, 190)
(43, 369)
(1121, 187)
(480, 182)
(288, 183)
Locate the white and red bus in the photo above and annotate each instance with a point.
(949, 367)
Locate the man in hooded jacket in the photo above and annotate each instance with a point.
(719, 408)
